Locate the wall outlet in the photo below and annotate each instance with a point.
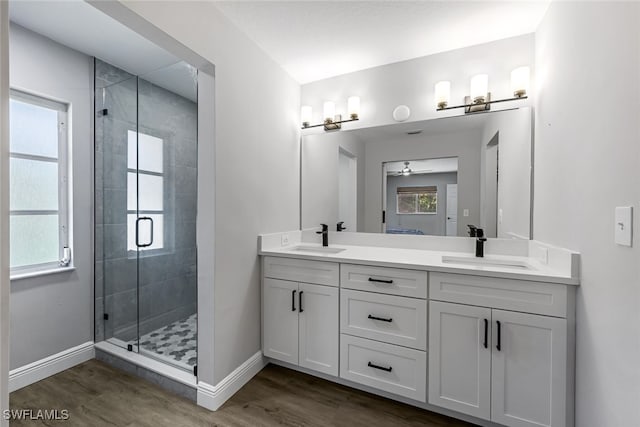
(465, 212)
(284, 240)
(624, 225)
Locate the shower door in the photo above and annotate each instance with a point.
(148, 145)
(116, 261)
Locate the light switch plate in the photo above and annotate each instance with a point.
(624, 225)
(465, 212)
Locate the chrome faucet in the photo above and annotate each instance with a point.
(325, 234)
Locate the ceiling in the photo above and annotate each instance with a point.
(80, 26)
(314, 40)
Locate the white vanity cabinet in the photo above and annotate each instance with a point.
(498, 364)
(300, 320)
(498, 349)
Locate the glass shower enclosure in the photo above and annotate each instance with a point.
(145, 211)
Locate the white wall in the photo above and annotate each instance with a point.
(586, 163)
(463, 145)
(256, 133)
(53, 313)
(412, 82)
(4, 207)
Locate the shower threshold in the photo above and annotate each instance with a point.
(149, 363)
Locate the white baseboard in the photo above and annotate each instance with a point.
(43, 368)
(213, 397)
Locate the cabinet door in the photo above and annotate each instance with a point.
(280, 317)
(318, 328)
(528, 370)
(459, 361)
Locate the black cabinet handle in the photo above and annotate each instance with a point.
(300, 301)
(371, 279)
(382, 368)
(498, 344)
(293, 300)
(486, 333)
(382, 319)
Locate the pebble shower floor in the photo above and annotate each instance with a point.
(174, 343)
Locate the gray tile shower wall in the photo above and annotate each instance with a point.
(158, 287)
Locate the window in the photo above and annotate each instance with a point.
(417, 200)
(38, 183)
(145, 191)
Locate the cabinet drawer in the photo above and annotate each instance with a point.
(387, 367)
(300, 270)
(516, 295)
(388, 318)
(395, 281)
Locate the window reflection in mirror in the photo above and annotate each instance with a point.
(421, 196)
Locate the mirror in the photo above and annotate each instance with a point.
(432, 177)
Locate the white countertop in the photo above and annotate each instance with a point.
(429, 260)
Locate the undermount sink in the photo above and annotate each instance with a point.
(317, 249)
(488, 262)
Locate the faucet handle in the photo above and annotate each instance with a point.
(473, 230)
(325, 229)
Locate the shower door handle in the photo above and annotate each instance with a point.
(143, 245)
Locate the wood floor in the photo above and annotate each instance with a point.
(95, 394)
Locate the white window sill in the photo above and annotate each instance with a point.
(30, 274)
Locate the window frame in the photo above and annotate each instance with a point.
(64, 186)
(416, 195)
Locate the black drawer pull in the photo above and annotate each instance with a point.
(382, 368)
(293, 300)
(382, 319)
(498, 346)
(371, 279)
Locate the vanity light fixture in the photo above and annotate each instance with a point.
(331, 120)
(353, 107)
(443, 93)
(480, 98)
(520, 81)
(305, 115)
(329, 111)
(479, 88)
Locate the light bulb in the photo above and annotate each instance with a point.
(329, 111)
(353, 107)
(443, 92)
(406, 171)
(520, 81)
(479, 88)
(305, 115)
